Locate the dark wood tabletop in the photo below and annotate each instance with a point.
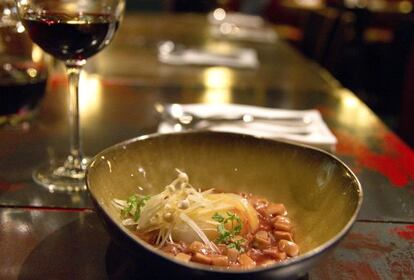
(59, 236)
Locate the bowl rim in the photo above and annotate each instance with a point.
(209, 268)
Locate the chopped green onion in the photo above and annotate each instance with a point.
(229, 237)
(134, 205)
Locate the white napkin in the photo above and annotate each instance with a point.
(239, 58)
(316, 133)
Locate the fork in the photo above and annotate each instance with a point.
(188, 120)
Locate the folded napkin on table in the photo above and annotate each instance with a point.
(315, 133)
(239, 58)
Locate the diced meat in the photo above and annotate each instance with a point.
(200, 258)
(281, 256)
(268, 262)
(275, 253)
(281, 219)
(260, 203)
(223, 248)
(282, 235)
(246, 262)
(272, 251)
(196, 247)
(220, 260)
(261, 240)
(183, 257)
(282, 226)
(233, 254)
(290, 248)
(274, 209)
(171, 249)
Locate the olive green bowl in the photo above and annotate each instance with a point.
(321, 193)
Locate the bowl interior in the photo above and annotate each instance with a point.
(321, 194)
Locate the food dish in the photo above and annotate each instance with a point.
(322, 194)
(211, 227)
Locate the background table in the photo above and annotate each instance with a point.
(58, 235)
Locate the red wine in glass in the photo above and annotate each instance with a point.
(22, 86)
(71, 36)
(22, 79)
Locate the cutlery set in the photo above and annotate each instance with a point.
(181, 120)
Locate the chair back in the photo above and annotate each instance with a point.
(317, 32)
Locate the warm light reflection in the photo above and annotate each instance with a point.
(75, 198)
(350, 101)
(220, 48)
(219, 14)
(309, 3)
(12, 224)
(90, 94)
(405, 7)
(6, 12)
(23, 228)
(218, 77)
(5, 217)
(212, 95)
(37, 54)
(32, 72)
(228, 28)
(218, 82)
(109, 165)
(351, 113)
(73, 7)
(177, 110)
(20, 27)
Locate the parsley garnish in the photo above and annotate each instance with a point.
(134, 206)
(229, 236)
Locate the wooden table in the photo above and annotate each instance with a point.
(58, 235)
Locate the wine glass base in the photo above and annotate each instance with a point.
(57, 177)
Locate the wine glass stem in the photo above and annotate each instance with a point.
(74, 160)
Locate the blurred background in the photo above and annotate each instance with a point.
(367, 45)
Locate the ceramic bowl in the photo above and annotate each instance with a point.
(321, 193)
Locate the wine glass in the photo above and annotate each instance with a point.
(71, 31)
